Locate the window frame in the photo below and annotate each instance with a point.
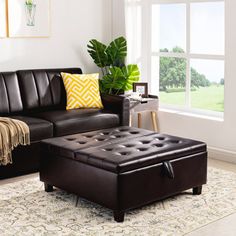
(147, 53)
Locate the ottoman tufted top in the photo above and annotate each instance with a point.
(123, 149)
(68, 145)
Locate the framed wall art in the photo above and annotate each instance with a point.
(3, 18)
(29, 18)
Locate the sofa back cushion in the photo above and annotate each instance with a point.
(10, 95)
(43, 89)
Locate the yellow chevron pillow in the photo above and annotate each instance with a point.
(82, 90)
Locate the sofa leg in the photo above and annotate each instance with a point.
(76, 201)
(197, 190)
(119, 216)
(48, 187)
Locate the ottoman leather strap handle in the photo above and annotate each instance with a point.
(169, 169)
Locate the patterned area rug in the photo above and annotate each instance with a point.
(25, 209)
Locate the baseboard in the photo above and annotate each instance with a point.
(222, 154)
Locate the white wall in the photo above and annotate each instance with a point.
(118, 18)
(73, 24)
(219, 135)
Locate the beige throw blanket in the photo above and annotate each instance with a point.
(12, 133)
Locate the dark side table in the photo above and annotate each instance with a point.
(145, 104)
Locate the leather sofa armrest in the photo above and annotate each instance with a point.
(118, 104)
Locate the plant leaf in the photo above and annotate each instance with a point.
(97, 51)
(132, 75)
(121, 78)
(117, 52)
(114, 80)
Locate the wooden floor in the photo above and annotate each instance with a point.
(222, 227)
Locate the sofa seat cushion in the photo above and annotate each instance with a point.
(79, 120)
(39, 129)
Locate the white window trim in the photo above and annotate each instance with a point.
(187, 55)
(147, 53)
(180, 1)
(193, 112)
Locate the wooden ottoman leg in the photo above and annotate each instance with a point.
(197, 190)
(48, 187)
(119, 216)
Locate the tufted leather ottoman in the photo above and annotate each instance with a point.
(123, 168)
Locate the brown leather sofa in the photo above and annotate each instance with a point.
(38, 98)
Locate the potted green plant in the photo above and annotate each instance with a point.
(117, 77)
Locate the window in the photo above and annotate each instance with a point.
(185, 60)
